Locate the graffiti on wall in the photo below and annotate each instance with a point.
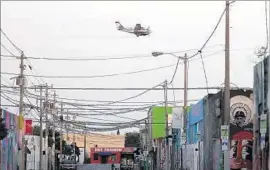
(241, 131)
(162, 155)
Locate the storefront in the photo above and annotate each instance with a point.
(110, 155)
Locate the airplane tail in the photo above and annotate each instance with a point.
(118, 25)
(149, 30)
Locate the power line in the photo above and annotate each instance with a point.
(205, 75)
(82, 59)
(17, 48)
(18, 57)
(108, 75)
(266, 26)
(211, 35)
(129, 89)
(175, 70)
(124, 103)
(97, 76)
(132, 97)
(98, 58)
(7, 50)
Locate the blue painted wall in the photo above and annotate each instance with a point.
(195, 122)
(196, 112)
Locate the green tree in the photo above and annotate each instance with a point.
(132, 139)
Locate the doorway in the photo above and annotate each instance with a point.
(103, 159)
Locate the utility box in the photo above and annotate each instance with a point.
(21, 81)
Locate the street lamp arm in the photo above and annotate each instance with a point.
(156, 54)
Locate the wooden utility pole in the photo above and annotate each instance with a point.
(53, 130)
(41, 129)
(20, 82)
(227, 86)
(67, 126)
(46, 103)
(167, 125)
(61, 134)
(185, 105)
(74, 118)
(84, 143)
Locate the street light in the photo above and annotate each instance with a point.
(185, 59)
(156, 54)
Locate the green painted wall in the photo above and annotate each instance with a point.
(158, 121)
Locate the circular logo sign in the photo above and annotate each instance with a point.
(241, 110)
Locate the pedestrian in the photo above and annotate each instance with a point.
(113, 166)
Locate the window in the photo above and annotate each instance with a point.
(95, 156)
(113, 157)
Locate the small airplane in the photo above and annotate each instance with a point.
(138, 30)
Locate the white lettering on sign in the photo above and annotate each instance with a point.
(108, 150)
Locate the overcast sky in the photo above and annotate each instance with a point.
(87, 30)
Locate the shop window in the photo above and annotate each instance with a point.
(113, 157)
(95, 156)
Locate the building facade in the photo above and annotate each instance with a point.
(206, 117)
(261, 130)
(109, 155)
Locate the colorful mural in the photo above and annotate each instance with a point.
(241, 131)
(10, 145)
(163, 155)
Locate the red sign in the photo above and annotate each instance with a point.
(128, 149)
(28, 127)
(108, 149)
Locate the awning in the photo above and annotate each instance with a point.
(105, 153)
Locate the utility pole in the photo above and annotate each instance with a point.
(61, 134)
(146, 144)
(21, 81)
(227, 85)
(74, 118)
(41, 130)
(173, 153)
(67, 126)
(167, 125)
(53, 131)
(84, 143)
(185, 105)
(46, 126)
(185, 90)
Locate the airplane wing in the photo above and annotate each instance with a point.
(138, 27)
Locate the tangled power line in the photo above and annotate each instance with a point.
(101, 107)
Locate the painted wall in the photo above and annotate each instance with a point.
(9, 145)
(33, 145)
(158, 121)
(261, 101)
(241, 119)
(115, 156)
(211, 133)
(195, 122)
(241, 129)
(196, 113)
